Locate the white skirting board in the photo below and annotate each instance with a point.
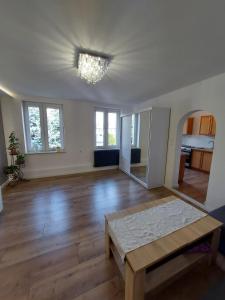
(67, 170)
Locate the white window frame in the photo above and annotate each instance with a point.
(106, 111)
(44, 126)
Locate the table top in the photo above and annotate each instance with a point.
(155, 251)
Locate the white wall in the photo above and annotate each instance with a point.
(79, 138)
(208, 95)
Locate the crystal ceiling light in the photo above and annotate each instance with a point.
(92, 66)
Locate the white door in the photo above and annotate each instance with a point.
(125, 144)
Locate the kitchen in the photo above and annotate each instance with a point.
(196, 155)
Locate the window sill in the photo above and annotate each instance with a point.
(46, 152)
(107, 148)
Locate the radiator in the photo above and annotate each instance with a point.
(104, 158)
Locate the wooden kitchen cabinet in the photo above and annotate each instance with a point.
(213, 127)
(196, 159)
(201, 160)
(188, 126)
(206, 161)
(207, 125)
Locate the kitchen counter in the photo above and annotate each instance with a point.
(203, 149)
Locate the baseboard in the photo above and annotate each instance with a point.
(49, 172)
(141, 164)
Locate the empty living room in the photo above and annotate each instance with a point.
(112, 169)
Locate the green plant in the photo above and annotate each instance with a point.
(11, 169)
(20, 159)
(14, 171)
(13, 144)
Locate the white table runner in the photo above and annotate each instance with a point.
(139, 229)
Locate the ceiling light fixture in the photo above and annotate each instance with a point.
(92, 66)
(6, 91)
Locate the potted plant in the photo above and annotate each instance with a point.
(14, 171)
(20, 160)
(13, 144)
(13, 174)
(10, 169)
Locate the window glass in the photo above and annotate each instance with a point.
(107, 128)
(44, 127)
(54, 128)
(133, 130)
(36, 144)
(112, 128)
(99, 128)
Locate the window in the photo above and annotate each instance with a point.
(43, 127)
(106, 128)
(134, 130)
(99, 128)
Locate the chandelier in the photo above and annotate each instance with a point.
(92, 66)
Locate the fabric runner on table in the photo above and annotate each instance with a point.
(141, 228)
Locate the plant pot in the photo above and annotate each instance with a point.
(11, 170)
(10, 176)
(13, 179)
(20, 163)
(13, 152)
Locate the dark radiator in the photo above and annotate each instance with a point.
(104, 158)
(135, 156)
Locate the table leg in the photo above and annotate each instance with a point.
(215, 245)
(107, 241)
(134, 284)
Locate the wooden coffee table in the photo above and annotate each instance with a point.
(147, 267)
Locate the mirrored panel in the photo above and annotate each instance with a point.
(125, 144)
(140, 129)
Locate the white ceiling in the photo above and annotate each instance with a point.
(158, 46)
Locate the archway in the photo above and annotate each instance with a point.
(194, 152)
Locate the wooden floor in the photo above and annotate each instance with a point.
(195, 185)
(52, 240)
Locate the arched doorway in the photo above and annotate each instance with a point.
(194, 152)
